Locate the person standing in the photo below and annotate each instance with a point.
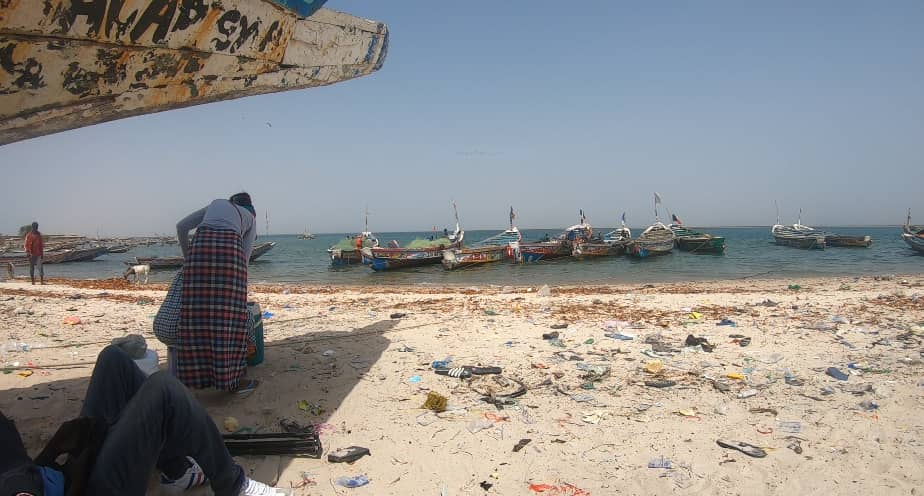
(214, 325)
(35, 250)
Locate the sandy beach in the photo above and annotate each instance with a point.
(597, 410)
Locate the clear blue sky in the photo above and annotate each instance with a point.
(720, 106)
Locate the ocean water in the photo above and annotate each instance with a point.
(751, 252)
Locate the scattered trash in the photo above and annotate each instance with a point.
(747, 393)
(490, 312)
(562, 489)
(486, 485)
(307, 406)
(695, 316)
(544, 291)
(837, 374)
(582, 398)
(441, 364)
(550, 335)
(790, 427)
(414, 379)
(328, 353)
(72, 320)
(653, 367)
(794, 287)
(735, 376)
(521, 444)
(558, 326)
(397, 315)
(479, 425)
(659, 462)
(701, 342)
(231, 424)
(436, 402)
(687, 412)
(267, 315)
(589, 341)
(795, 444)
(594, 417)
(557, 342)
(620, 336)
(837, 319)
(869, 405)
(727, 322)
(24, 373)
(351, 482)
(747, 449)
(660, 384)
(348, 455)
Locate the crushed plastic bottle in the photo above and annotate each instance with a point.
(351, 482)
(659, 462)
(791, 427)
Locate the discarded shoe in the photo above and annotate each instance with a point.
(747, 449)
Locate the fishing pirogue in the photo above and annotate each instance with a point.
(65, 64)
(417, 253)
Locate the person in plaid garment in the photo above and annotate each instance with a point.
(214, 329)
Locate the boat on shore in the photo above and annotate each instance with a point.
(419, 252)
(913, 235)
(166, 263)
(61, 256)
(345, 252)
(694, 241)
(496, 248)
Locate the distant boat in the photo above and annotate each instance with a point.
(844, 241)
(492, 249)
(694, 241)
(913, 235)
(163, 263)
(345, 252)
(418, 253)
(119, 249)
(798, 236)
(306, 235)
(657, 239)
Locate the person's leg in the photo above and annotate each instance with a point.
(115, 381)
(32, 269)
(162, 420)
(41, 269)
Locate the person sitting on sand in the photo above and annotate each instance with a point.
(214, 328)
(128, 426)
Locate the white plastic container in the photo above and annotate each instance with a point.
(148, 364)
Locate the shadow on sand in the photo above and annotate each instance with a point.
(320, 367)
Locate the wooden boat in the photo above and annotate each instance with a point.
(119, 249)
(543, 250)
(657, 239)
(494, 249)
(592, 249)
(694, 241)
(843, 241)
(797, 236)
(164, 263)
(394, 257)
(69, 63)
(913, 235)
(618, 239)
(345, 253)
(64, 256)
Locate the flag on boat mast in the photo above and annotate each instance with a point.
(583, 218)
(513, 215)
(676, 219)
(657, 199)
(623, 219)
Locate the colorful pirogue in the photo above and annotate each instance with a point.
(419, 252)
(493, 249)
(695, 241)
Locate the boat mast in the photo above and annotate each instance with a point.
(513, 216)
(777, 205)
(267, 222)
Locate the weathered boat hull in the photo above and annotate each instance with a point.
(702, 244)
(581, 251)
(645, 249)
(69, 64)
(63, 256)
(840, 241)
(459, 258)
(804, 242)
(380, 258)
(534, 252)
(166, 263)
(261, 249)
(915, 242)
(341, 258)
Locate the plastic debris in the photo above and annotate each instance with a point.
(397, 315)
(231, 424)
(72, 320)
(521, 444)
(558, 326)
(562, 489)
(414, 379)
(836, 373)
(267, 315)
(653, 367)
(869, 405)
(790, 427)
(727, 322)
(659, 462)
(307, 406)
(594, 417)
(747, 393)
(351, 482)
(348, 455)
(479, 425)
(544, 290)
(695, 316)
(620, 336)
(550, 335)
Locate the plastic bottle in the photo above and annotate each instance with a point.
(351, 482)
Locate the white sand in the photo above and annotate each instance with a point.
(370, 400)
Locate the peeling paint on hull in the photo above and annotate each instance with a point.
(65, 65)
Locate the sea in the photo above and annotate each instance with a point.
(751, 253)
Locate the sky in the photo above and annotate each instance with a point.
(722, 107)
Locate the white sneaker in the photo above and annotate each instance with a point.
(254, 488)
(194, 477)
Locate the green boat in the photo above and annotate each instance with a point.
(695, 241)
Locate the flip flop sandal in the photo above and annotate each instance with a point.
(348, 455)
(466, 372)
(660, 384)
(247, 387)
(747, 449)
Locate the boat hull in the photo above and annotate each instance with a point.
(534, 252)
(582, 251)
(460, 258)
(702, 244)
(380, 258)
(73, 63)
(916, 243)
(343, 258)
(848, 241)
(645, 249)
(805, 243)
